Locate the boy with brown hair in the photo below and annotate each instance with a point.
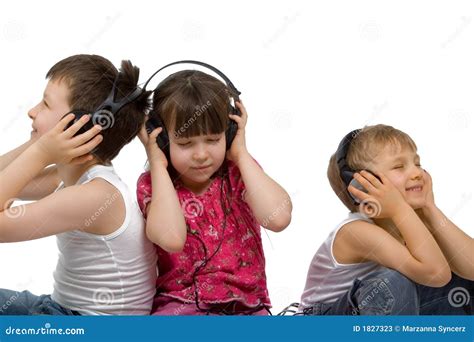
(106, 265)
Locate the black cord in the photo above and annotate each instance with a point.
(226, 209)
(288, 309)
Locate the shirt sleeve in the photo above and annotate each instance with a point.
(144, 191)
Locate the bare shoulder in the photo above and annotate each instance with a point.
(351, 238)
(106, 206)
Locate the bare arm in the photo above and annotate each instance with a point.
(41, 185)
(165, 223)
(422, 259)
(421, 262)
(457, 246)
(53, 147)
(270, 203)
(9, 157)
(66, 210)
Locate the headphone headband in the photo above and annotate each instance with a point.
(345, 171)
(208, 66)
(114, 106)
(154, 122)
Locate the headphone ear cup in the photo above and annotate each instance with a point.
(79, 113)
(358, 186)
(162, 139)
(348, 179)
(232, 127)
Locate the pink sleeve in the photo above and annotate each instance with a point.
(144, 191)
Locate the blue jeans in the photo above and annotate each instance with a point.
(388, 292)
(26, 303)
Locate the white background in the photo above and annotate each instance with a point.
(309, 72)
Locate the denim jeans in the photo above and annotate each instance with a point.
(388, 292)
(26, 303)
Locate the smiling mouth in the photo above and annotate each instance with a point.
(417, 188)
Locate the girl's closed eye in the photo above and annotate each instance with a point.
(214, 140)
(398, 166)
(184, 143)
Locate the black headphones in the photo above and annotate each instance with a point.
(105, 114)
(345, 171)
(163, 138)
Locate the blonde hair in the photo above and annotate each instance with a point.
(364, 148)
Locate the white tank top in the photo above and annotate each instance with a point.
(111, 274)
(327, 279)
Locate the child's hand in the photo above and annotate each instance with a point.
(238, 148)
(59, 146)
(153, 151)
(383, 199)
(428, 190)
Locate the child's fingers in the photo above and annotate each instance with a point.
(357, 193)
(64, 122)
(155, 133)
(86, 136)
(86, 148)
(364, 182)
(143, 135)
(371, 178)
(235, 117)
(242, 109)
(239, 104)
(383, 179)
(77, 125)
(238, 119)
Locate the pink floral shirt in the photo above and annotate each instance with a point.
(237, 271)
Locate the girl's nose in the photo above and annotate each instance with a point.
(200, 153)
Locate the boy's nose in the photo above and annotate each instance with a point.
(417, 173)
(33, 112)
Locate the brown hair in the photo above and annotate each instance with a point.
(364, 148)
(90, 79)
(192, 103)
